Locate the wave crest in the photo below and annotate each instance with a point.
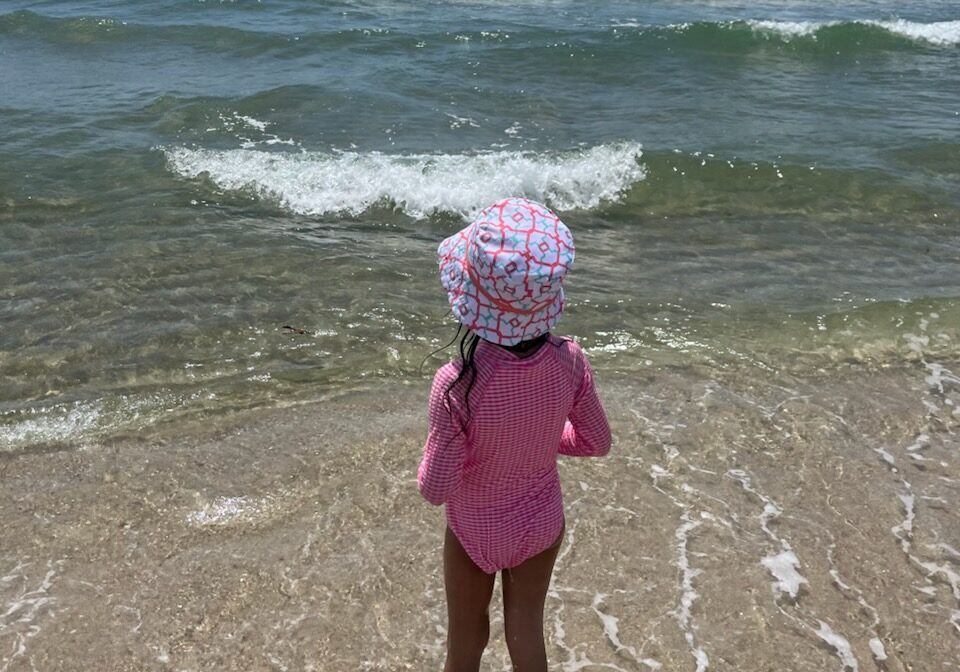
(314, 183)
(940, 33)
(856, 33)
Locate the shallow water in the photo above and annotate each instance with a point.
(772, 185)
(740, 522)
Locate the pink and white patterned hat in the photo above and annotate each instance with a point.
(504, 273)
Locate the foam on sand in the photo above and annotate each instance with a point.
(314, 183)
(785, 568)
(689, 595)
(841, 645)
(61, 423)
(24, 604)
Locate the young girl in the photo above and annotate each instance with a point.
(499, 416)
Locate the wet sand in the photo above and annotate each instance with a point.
(743, 521)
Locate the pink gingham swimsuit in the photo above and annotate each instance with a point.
(499, 480)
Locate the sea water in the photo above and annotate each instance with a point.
(758, 187)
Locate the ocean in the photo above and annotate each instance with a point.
(760, 185)
(218, 287)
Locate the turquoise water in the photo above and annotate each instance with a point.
(767, 186)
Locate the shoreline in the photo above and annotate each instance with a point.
(737, 524)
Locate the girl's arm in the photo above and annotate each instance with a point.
(586, 432)
(444, 453)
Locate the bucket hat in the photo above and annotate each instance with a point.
(504, 272)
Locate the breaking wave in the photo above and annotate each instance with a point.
(314, 183)
(859, 34)
(734, 35)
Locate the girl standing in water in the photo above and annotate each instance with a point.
(499, 416)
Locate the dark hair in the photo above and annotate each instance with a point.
(467, 375)
(468, 369)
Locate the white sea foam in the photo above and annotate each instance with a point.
(23, 608)
(80, 420)
(840, 644)
(789, 28)
(939, 375)
(876, 647)
(60, 423)
(784, 566)
(886, 455)
(610, 626)
(922, 441)
(940, 33)
(315, 183)
(904, 530)
(946, 549)
(253, 123)
(770, 511)
(947, 572)
(688, 595)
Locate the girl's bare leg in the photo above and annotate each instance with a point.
(468, 597)
(524, 592)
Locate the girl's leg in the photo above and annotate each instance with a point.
(524, 592)
(468, 596)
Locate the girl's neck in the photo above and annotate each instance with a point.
(527, 348)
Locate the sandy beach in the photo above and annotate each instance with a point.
(738, 524)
